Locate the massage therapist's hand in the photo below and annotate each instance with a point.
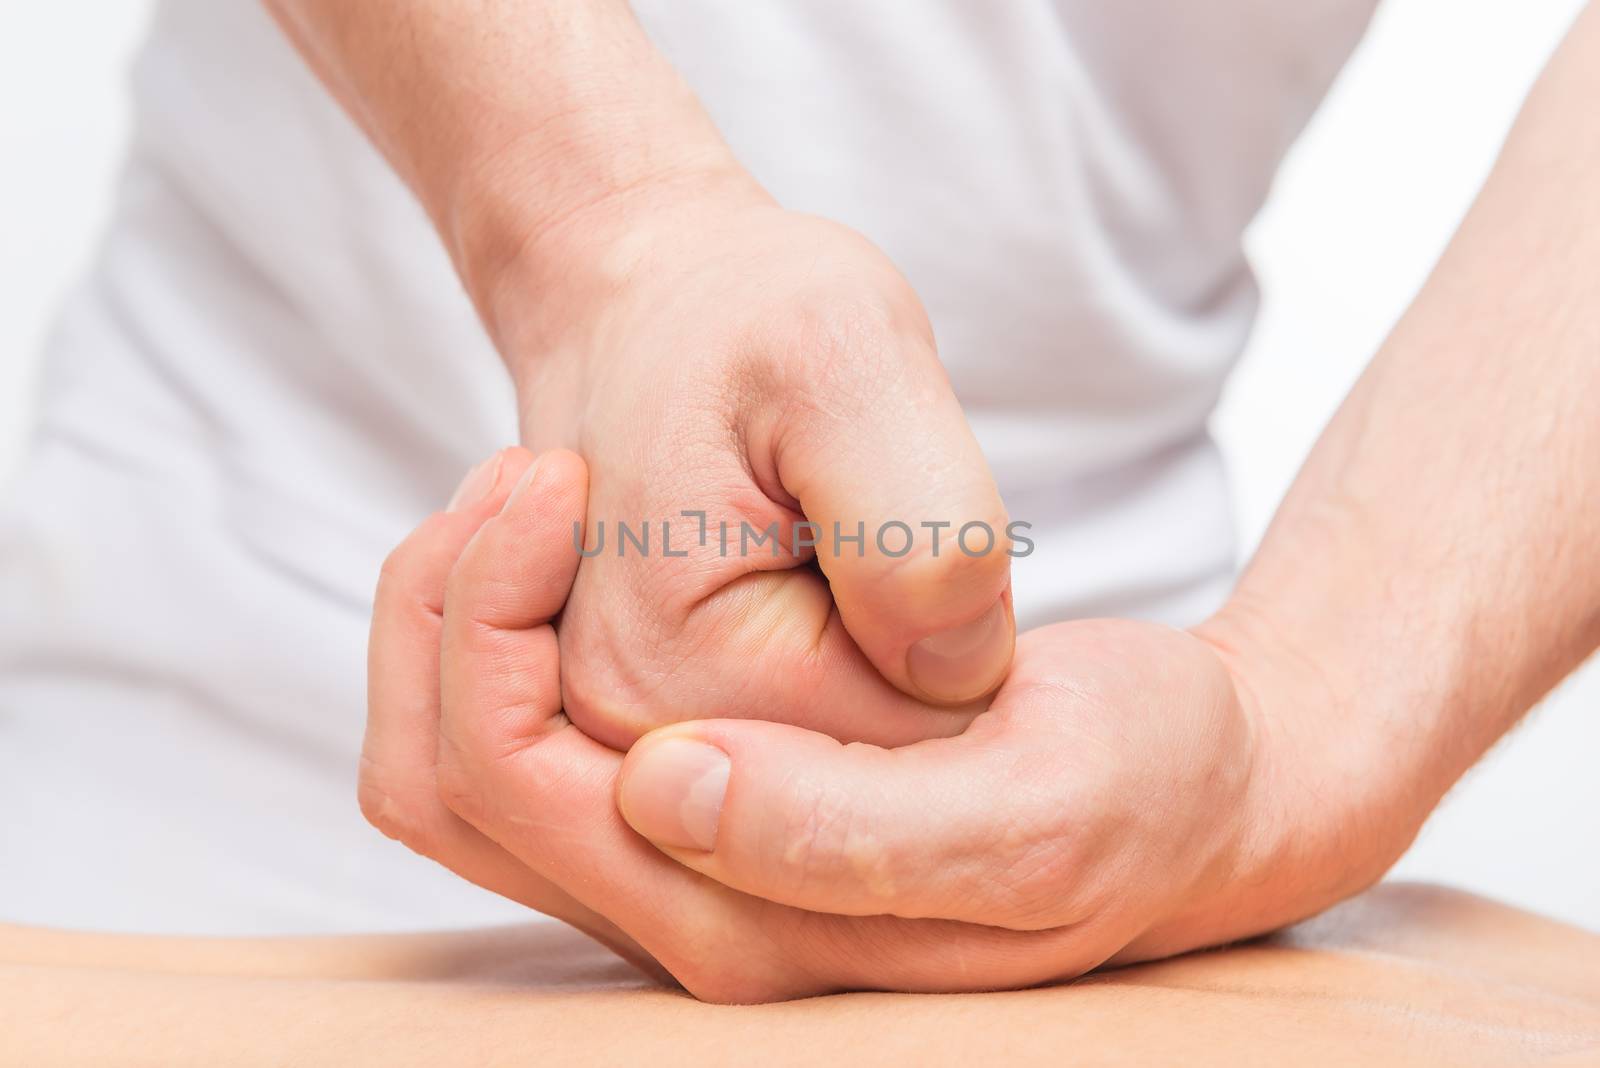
(1124, 798)
(716, 354)
(398, 787)
(705, 351)
(1121, 799)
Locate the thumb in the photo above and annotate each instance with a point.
(909, 527)
(795, 817)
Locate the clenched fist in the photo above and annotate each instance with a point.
(785, 493)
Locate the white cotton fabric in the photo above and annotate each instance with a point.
(270, 375)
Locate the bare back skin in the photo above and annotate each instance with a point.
(1403, 973)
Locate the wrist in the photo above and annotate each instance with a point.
(540, 275)
(529, 137)
(1334, 801)
(544, 202)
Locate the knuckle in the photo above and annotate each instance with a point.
(458, 592)
(1042, 884)
(734, 968)
(943, 590)
(727, 986)
(815, 833)
(393, 566)
(1048, 868)
(827, 844)
(850, 351)
(378, 808)
(622, 675)
(399, 570)
(843, 325)
(393, 810)
(501, 691)
(605, 704)
(973, 562)
(394, 574)
(486, 772)
(840, 344)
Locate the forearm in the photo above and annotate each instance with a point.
(1433, 571)
(522, 127)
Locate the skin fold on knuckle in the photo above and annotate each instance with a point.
(1038, 860)
(463, 781)
(822, 843)
(487, 770)
(1041, 878)
(923, 587)
(394, 809)
(719, 987)
(612, 689)
(393, 572)
(410, 564)
(737, 974)
(834, 359)
(1029, 873)
(733, 952)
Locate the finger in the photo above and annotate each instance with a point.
(500, 658)
(911, 532)
(397, 788)
(507, 761)
(946, 828)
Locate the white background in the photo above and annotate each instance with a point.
(1361, 212)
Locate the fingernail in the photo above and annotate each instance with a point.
(963, 663)
(673, 793)
(478, 484)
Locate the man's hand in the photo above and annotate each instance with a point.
(759, 369)
(1119, 800)
(398, 787)
(707, 352)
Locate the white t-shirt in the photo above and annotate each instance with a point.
(271, 375)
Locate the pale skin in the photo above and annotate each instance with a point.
(1131, 791)
(705, 350)
(1402, 974)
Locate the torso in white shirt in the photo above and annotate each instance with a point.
(271, 375)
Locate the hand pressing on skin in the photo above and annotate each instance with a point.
(398, 786)
(1122, 798)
